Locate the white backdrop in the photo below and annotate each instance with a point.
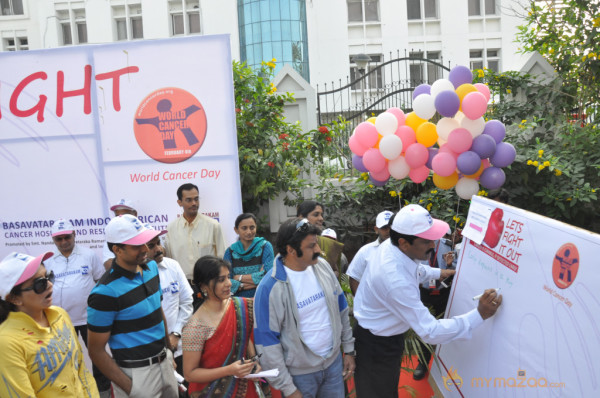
(76, 162)
(544, 340)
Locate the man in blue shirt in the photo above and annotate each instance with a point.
(124, 311)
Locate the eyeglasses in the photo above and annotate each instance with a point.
(41, 284)
(60, 238)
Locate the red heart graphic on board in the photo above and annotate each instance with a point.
(495, 228)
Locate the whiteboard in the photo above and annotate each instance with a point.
(544, 341)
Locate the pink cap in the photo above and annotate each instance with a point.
(16, 268)
(415, 220)
(128, 230)
(62, 227)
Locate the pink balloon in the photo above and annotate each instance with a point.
(460, 140)
(382, 175)
(399, 113)
(419, 174)
(446, 149)
(443, 164)
(374, 160)
(474, 105)
(366, 134)
(416, 155)
(355, 146)
(407, 135)
(483, 89)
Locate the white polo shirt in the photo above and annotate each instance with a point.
(388, 301)
(356, 269)
(177, 296)
(75, 276)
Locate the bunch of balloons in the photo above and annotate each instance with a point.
(461, 149)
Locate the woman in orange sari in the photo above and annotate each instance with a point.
(217, 340)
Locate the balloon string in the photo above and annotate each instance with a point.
(456, 218)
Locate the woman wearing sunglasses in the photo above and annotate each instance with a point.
(41, 356)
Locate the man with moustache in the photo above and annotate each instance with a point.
(193, 235)
(124, 310)
(388, 302)
(301, 318)
(177, 295)
(76, 270)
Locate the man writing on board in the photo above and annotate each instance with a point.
(388, 303)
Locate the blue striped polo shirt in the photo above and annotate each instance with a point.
(127, 304)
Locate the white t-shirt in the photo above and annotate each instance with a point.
(315, 324)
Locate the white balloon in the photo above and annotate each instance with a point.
(386, 123)
(445, 126)
(459, 116)
(390, 146)
(466, 187)
(398, 168)
(441, 142)
(441, 85)
(475, 127)
(424, 106)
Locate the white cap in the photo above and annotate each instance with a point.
(415, 220)
(62, 227)
(128, 230)
(330, 233)
(16, 268)
(123, 204)
(383, 218)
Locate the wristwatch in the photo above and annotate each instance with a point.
(176, 334)
(351, 353)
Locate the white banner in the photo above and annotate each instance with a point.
(544, 340)
(82, 127)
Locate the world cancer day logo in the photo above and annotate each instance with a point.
(565, 265)
(170, 125)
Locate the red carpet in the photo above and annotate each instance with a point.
(407, 388)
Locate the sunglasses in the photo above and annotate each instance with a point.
(41, 284)
(302, 225)
(60, 238)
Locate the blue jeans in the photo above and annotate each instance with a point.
(328, 383)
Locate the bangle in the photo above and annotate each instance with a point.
(241, 286)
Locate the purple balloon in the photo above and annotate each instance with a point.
(421, 89)
(460, 75)
(496, 130)
(468, 162)
(358, 163)
(492, 178)
(447, 103)
(484, 145)
(432, 153)
(505, 154)
(377, 183)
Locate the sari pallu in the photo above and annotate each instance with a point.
(228, 344)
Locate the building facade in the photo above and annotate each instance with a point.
(318, 38)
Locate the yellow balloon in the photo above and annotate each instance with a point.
(483, 166)
(376, 146)
(427, 134)
(445, 182)
(412, 120)
(372, 119)
(463, 90)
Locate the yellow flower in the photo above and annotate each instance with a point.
(455, 218)
(480, 73)
(541, 152)
(583, 59)
(421, 201)
(523, 121)
(569, 199)
(593, 190)
(546, 163)
(557, 172)
(393, 194)
(482, 193)
(271, 65)
(529, 162)
(541, 167)
(535, 163)
(508, 91)
(371, 186)
(260, 152)
(551, 51)
(429, 206)
(274, 60)
(434, 191)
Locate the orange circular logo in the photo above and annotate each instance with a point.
(170, 125)
(565, 265)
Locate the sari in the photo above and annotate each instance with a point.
(228, 344)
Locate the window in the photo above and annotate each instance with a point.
(375, 78)
(363, 10)
(72, 25)
(11, 7)
(185, 17)
(491, 60)
(422, 71)
(421, 9)
(128, 22)
(475, 7)
(15, 44)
